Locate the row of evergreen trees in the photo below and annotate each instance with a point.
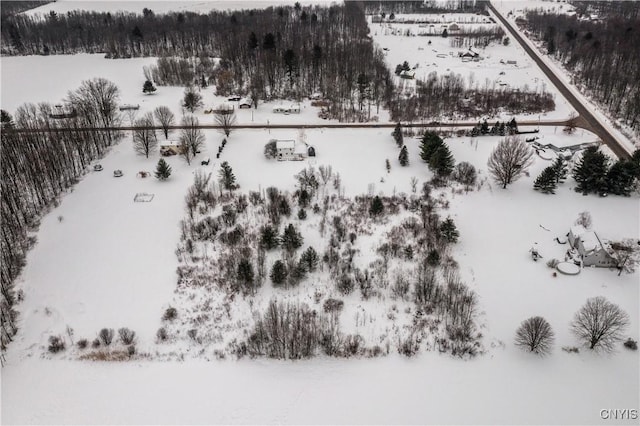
(593, 173)
(498, 129)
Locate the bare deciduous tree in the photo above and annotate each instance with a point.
(535, 334)
(509, 160)
(191, 138)
(165, 118)
(226, 119)
(144, 135)
(325, 174)
(600, 323)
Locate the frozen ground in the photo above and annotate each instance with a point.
(127, 74)
(110, 262)
(119, 271)
(442, 58)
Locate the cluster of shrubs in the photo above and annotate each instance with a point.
(104, 339)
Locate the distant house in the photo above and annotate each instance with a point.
(62, 111)
(245, 103)
(592, 251)
(291, 109)
(468, 55)
(169, 148)
(129, 107)
(454, 27)
(376, 19)
(408, 74)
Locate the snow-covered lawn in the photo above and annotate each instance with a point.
(110, 262)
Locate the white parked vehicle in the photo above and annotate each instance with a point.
(97, 168)
(117, 173)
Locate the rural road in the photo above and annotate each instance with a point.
(592, 123)
(299, 126)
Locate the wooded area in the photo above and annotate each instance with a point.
(604, 54)
(36, 167)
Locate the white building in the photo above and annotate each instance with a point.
(288, 150)
(592, 251)
(291, 109)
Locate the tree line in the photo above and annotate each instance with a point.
(271, 53)
(604, 55)
(448, 94)
(36, 167)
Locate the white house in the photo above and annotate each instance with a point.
(245, 103)
(592, 251)
(287, 150)
(290, 109)
(168, 148)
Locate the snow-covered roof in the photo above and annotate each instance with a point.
(590, 241)
(300, 148)
(578, 230)
(288, 144)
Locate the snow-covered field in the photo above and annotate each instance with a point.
(119, 264)
(127, 74)
(103, 260)
(492, 71)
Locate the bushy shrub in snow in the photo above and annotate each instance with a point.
(162, 335)
(170, 314)
(106, 336)
(631, 344)
(82, 343)
(56, 344)
(127, 336)
(332, 305)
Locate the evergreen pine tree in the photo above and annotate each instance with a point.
(291, 239)
(484, 128)
(591, 171)
(441, 162)
(620, 178)
(430, 143)
(377, 207)
(387, 164)
(448, 231)
(163, 170)
(302, 214)
(245, 274)
(560, 169)
(227, 178)
(278, 273)
(404, 156)
(309, 259)
(148, 87)
(268, 238)
(546, 181)
(397, 135)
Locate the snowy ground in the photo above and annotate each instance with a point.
(442, 58)
(122, 274)
(104, 261)
(128, 75)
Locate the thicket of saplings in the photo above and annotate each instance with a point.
(247, 228)
(604, 55)
(105, 346)
(35, 167)
(427, 7)
(449, 95)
